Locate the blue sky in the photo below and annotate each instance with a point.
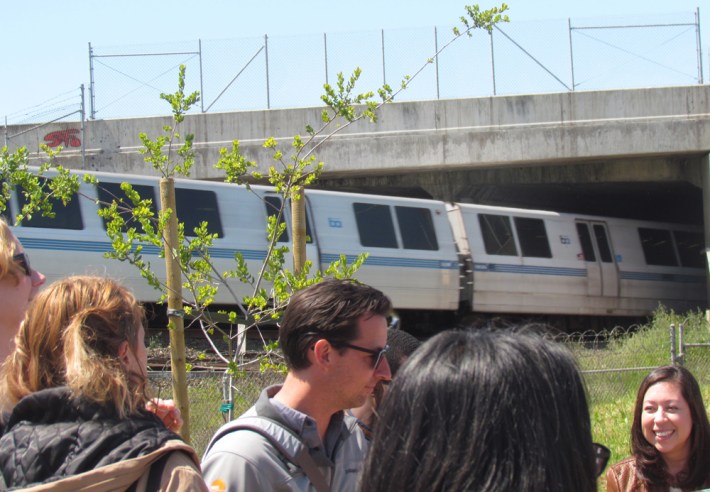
(45, 44)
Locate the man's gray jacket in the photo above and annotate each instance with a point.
(244, 460)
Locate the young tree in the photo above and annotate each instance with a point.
(192, 279)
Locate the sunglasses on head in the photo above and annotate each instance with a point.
(23, 260)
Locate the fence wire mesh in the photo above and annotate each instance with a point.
(205, 393)
(613, 364)
(516, 58)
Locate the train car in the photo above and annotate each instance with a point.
(438, 262)
(412, 252)
(74, 242)
(540, 262)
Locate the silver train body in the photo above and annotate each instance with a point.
(427, 255)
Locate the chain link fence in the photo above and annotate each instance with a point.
(289, 71)
(208, 409)
(34, 121)
(613, 364)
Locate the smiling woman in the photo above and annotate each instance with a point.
(670, 436)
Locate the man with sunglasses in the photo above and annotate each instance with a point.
(297, 437)
(19, 283)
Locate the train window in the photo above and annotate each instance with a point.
(586, 241)
(691, 248)
(197, 206)
(108, 192)
(66, 217)
(533, 237)
(417, 228)
(657, 247)
(497, 235)
(273, 205)
(602, 243)
(374, 223)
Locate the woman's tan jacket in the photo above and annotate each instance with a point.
(621, 477)
(180, 474)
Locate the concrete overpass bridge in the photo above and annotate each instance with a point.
(635, 153)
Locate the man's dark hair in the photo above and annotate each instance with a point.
(331, 310)
(402, 344)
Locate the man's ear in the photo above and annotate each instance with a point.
(322, 352)
(123, 354)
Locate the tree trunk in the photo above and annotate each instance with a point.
(175, 306)
(298, 223)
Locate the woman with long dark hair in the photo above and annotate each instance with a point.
(484, 410)
(670, 437)
(75, 392)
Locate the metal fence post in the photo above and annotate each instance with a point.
(325, 53)
(493, 63)
(227, 395)
(91, 83)
(382, 41)
(202, 91)
(436, 61)
(700, 47)
(681, 344)
(571, 55)
(83, 129)
(266, 50)
(673, 347)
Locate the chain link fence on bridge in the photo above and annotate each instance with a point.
(613, 364)
(66, 107)
(289, 71)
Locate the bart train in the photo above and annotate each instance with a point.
(437, 261)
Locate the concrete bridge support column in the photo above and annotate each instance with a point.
(705, 163)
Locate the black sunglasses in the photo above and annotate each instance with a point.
(23, 260)
(601, 457)
(377, 354)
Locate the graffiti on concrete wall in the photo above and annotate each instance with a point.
(66, 138)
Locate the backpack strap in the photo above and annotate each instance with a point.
(294, 450)
(154, 474)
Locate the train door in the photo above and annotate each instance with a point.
(602, 272)
(273, 203)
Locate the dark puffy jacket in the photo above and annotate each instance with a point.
(49, 436)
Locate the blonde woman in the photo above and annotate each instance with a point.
(19, 283)
(75, 390)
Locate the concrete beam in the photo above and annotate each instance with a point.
(510, 131)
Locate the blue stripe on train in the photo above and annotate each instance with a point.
(662, 277)
(396, 262)
(530, 270)
(582, 272)
(103, 247)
